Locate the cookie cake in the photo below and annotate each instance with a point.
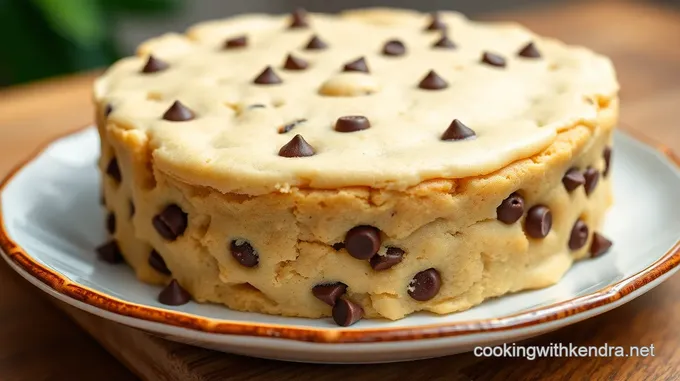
(373, 163)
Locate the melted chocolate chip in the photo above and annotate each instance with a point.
(393, 256)
(607, 154)
(158, 263)
(444, 43)
(111, 223)
(315, 43)
(297, 147)
(290, 126)
(345, 312)
(592, 176)
(529, 51)
(178, 113)
(394, 48)
(338, 246)
(433, 81)
(436, 22)
(600, 245)
(295, 63)
(298, 19)
(174, 295)
(538, 222)
(113, 170)
(493, 59)
(357, 65)
(110, 253)
(244, 253)
(458, 131)
(579, 235)
(362, 242)
(108, 110)
(236, 42)
(171, 222)
(268, 77)
(511, 209)
(352, 123)
(154, 65)
(329, 293)
(425, 285)
(573, 179)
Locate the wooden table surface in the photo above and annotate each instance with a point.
(39, 342)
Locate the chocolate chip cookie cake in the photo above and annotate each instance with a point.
(369, 164)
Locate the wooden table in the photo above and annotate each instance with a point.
(39, 342)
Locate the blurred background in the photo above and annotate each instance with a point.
(44, 38)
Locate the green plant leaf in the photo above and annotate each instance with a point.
(81, 21)
(146, 6)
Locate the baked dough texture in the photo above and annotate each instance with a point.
(434, 202)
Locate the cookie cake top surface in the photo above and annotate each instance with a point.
(376, 97)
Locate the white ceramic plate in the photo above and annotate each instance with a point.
(52, 221)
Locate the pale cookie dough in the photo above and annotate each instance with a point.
(381, 161)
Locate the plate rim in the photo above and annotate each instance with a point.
(12, 251)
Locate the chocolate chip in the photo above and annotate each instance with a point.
(236, 42)
(290, 126)
(297, 147)
(444, 43)
(158, 263)
(111, 223)
(298, 19)
(338, 246)
(110, 253)
(600, 245)
(425, 285)
(573, 179)
(295, 63)
(154, 65)
(458, 131)
(362, 242)
(346, 312)
(579, 235)
(538, 221)
(393, 256)
(592, 176)
(174, 295)
(433, 81)
(178, 113)
(315, 43)
(436, 23)
(493, 59)
(352, 123)
(394, 48)
(131, 208)
(357, 65)
(244, 253)
(607, 154)
(529, 51)
(113, 170)
(511, 209)
(171, 222)
(329, 293)
(108, 110)
(268, 77)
